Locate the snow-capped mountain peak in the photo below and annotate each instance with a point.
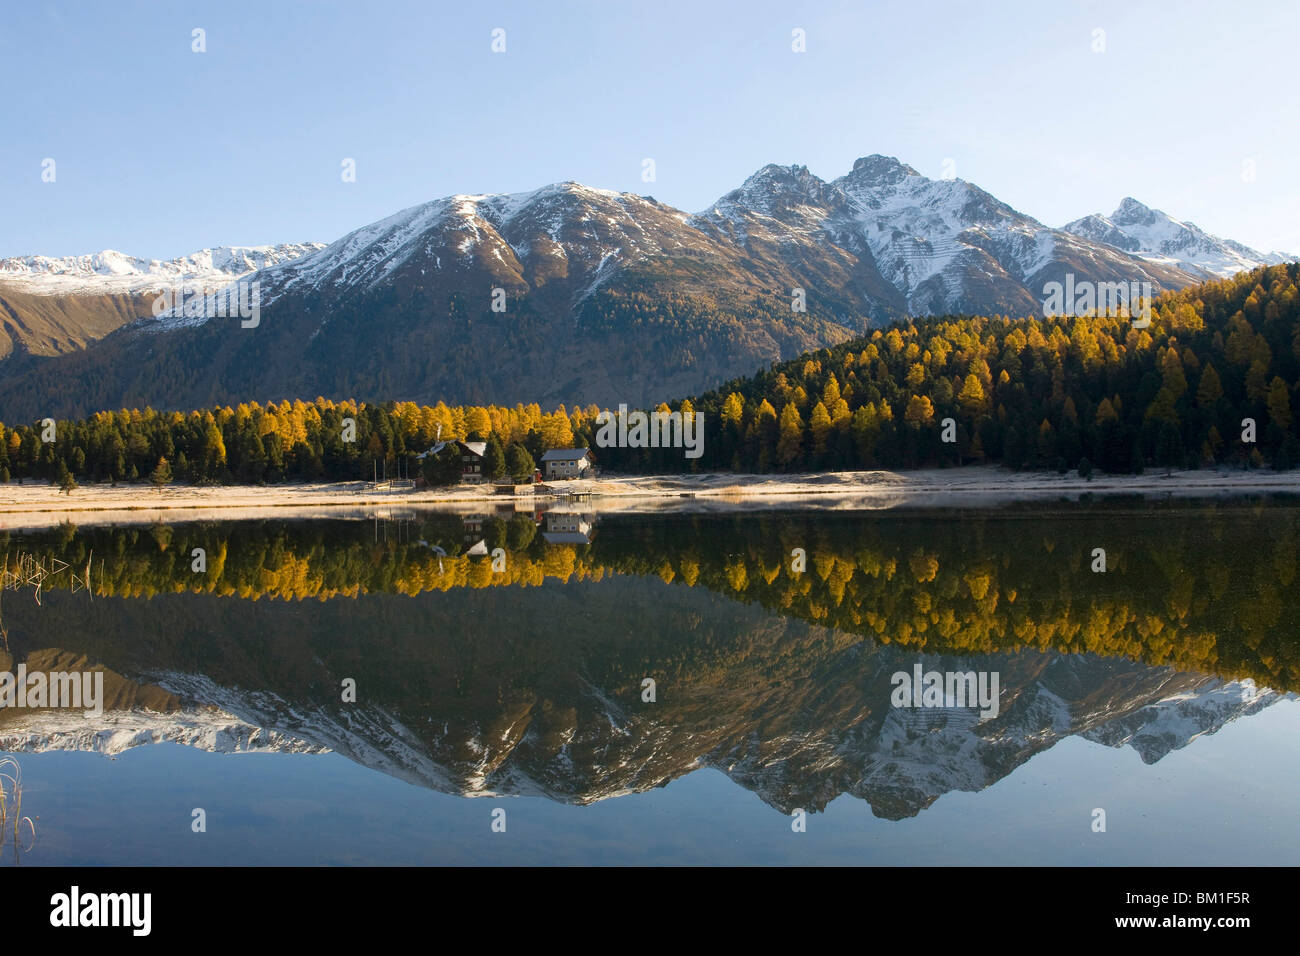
(1131, 210)
(880, 170)
(1159, 238)
(774, 184)
(565, 221)
(111, 271)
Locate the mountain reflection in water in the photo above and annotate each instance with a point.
(528, 679)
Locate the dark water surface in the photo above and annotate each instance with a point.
(1160, 691)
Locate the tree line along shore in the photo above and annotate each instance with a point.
(1213, 380)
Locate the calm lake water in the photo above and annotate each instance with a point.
(385, 691)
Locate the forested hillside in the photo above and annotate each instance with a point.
(1039, 392)
(1064, 393)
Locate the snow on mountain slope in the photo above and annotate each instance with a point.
(1174, 722)
(1158, 237)
(578, 229)
(890, 238)
(880, 241)
(788, 220)
(115, 272)
(899, 761)
(916, 227)
(787, 198)
(933, 246)
(559, 243)
(948, 245)
(116, 731)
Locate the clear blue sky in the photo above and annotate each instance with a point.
(161, 151)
